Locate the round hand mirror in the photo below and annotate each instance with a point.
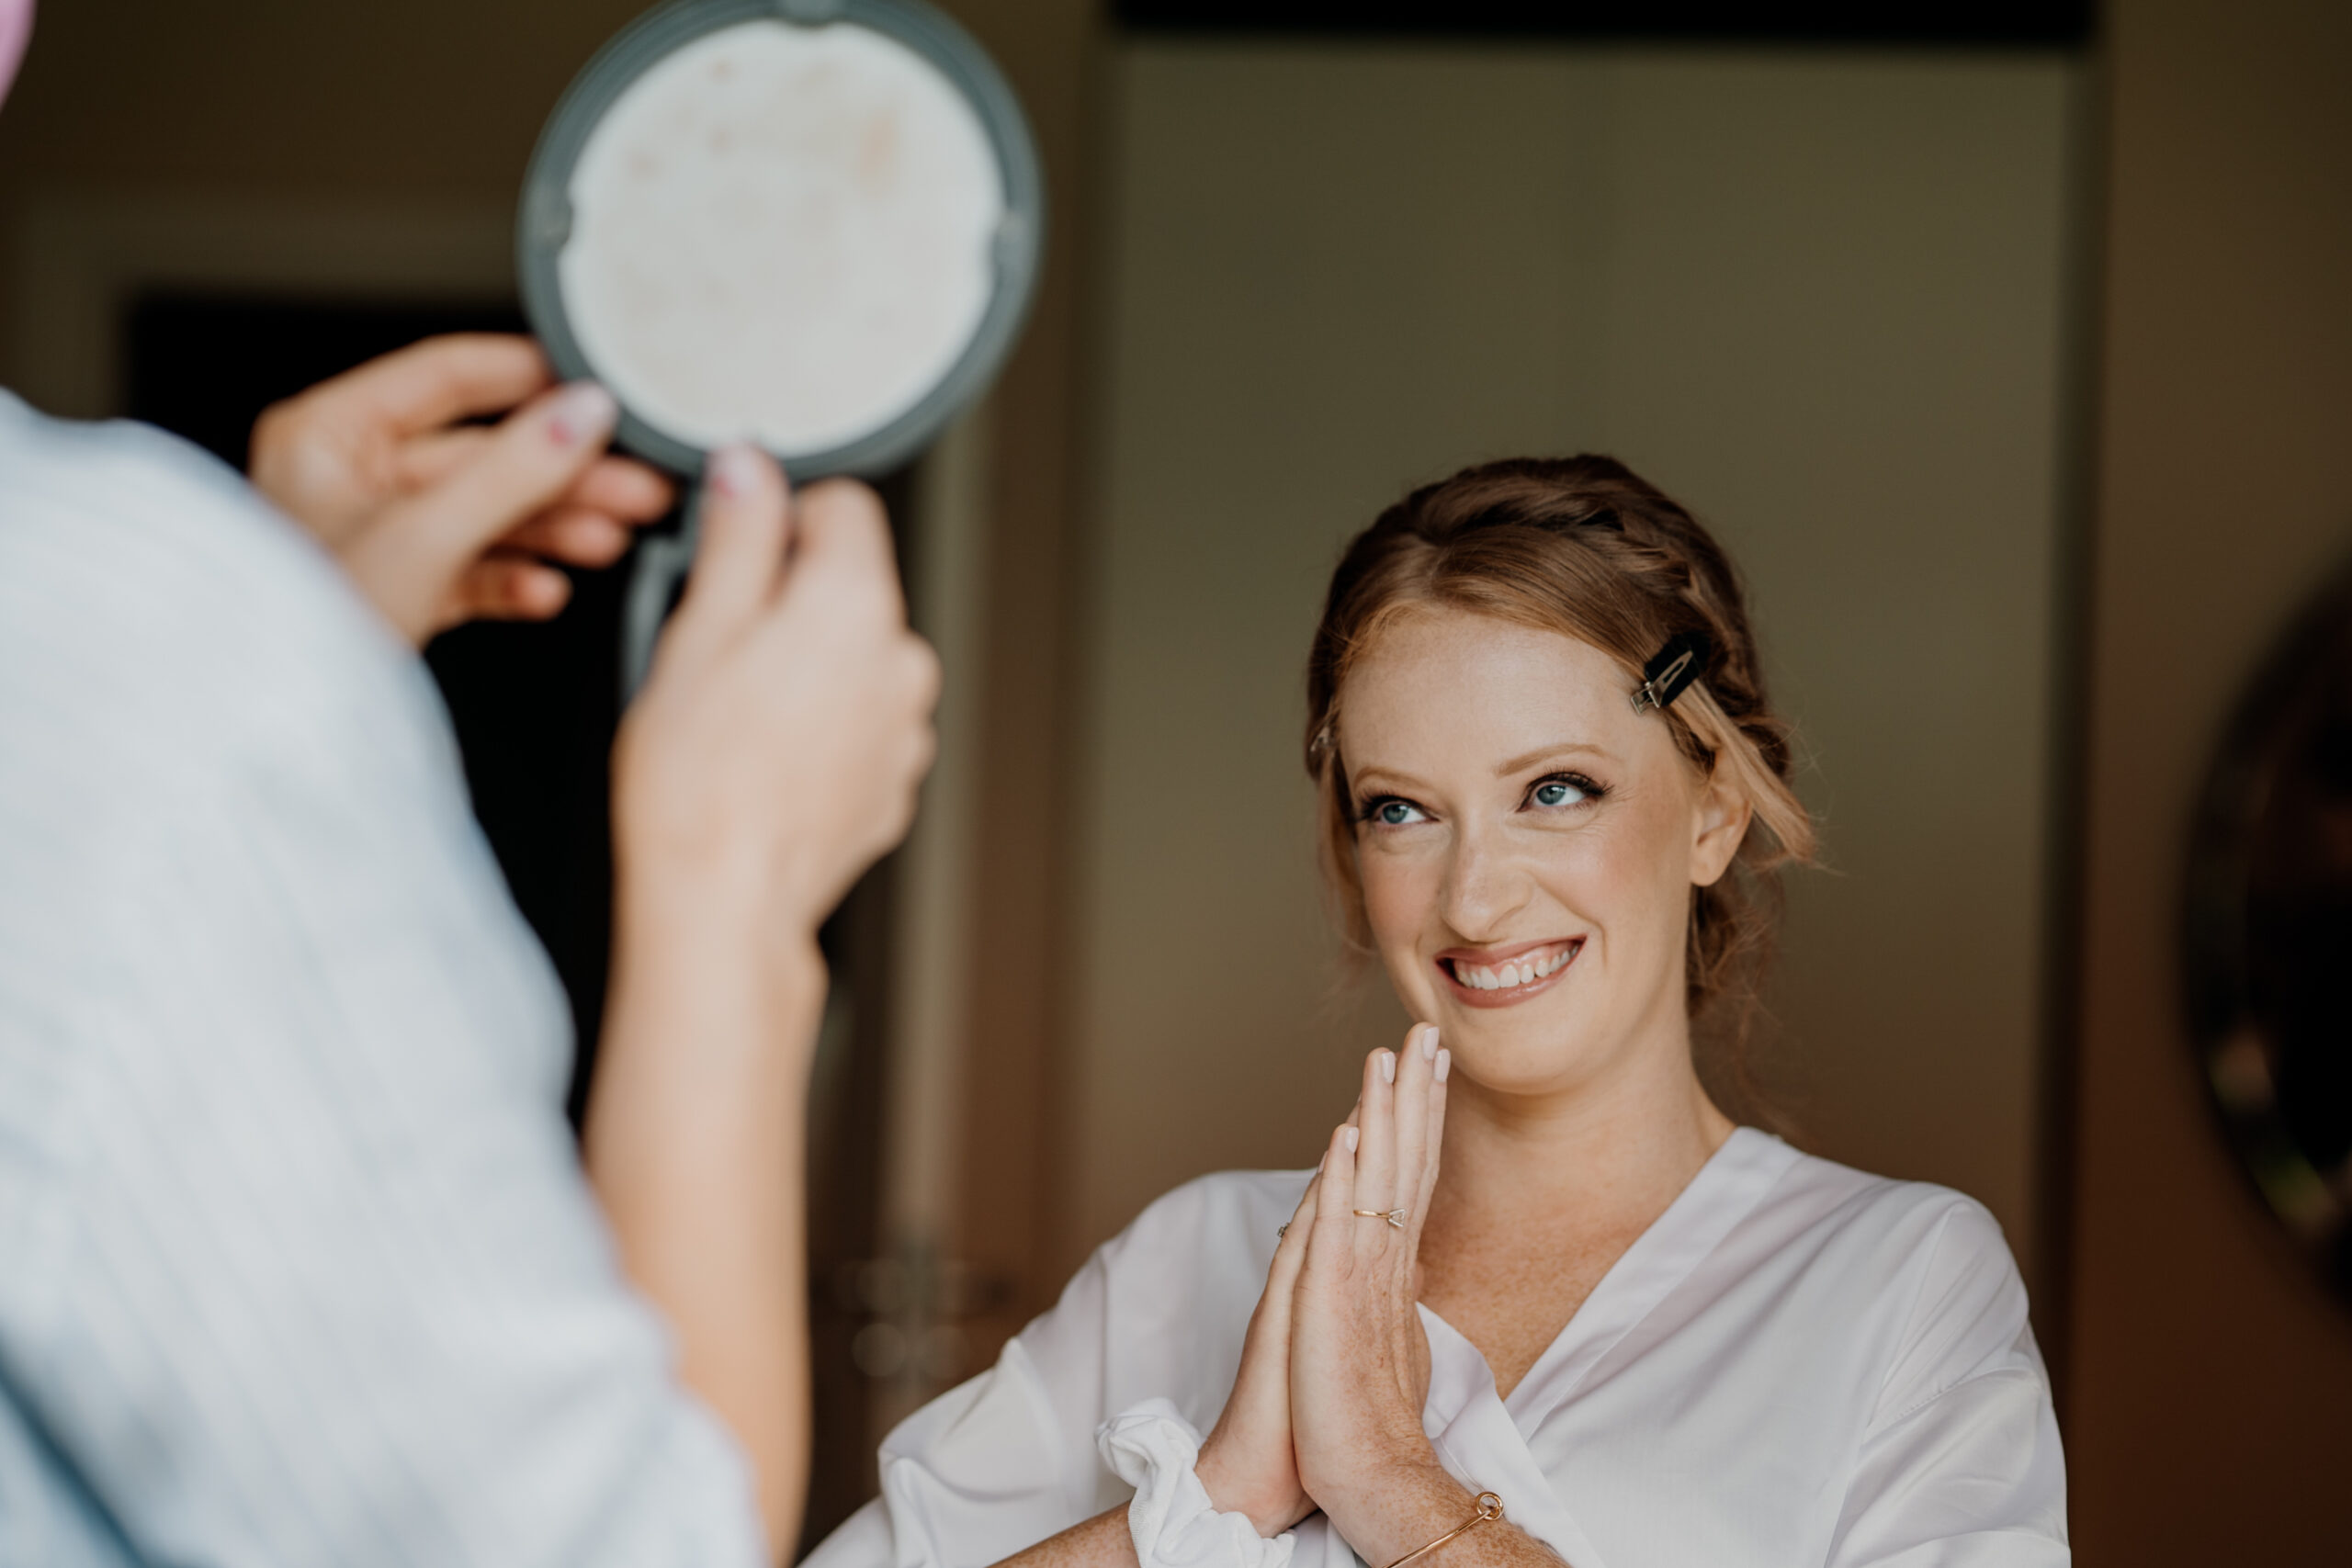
(814, 224)
(810, 223)
(2269, 934)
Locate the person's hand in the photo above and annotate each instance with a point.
(777, 747)
(1358, 1357)
(1247, 1463)
(439, 521)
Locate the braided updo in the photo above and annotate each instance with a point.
(1583, 546)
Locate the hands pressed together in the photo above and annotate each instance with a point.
(1325, 1412)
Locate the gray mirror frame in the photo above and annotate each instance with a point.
(543, 220)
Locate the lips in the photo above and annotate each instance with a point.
(1501, 976)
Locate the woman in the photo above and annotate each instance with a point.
(1553, 800)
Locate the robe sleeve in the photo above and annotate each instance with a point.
(1961, 1466)
(999, 1464)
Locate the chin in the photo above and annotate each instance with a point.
(1513, 1061)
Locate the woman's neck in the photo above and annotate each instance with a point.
(1610, 1153)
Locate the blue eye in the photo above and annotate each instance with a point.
(1394, 813)
(1561, 792)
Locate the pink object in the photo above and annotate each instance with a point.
(16, 25)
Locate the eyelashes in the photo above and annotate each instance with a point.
(1552, 793)
(1389, 811)
(1585, 790)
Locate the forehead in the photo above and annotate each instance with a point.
(1449, 685)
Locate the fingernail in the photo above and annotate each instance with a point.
(733, 470)
(1350, 1139)
(1428, 1043)
(584, 412)
(1388, 1067)
(1445, 1063)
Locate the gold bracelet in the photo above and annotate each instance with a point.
(1490, 1507)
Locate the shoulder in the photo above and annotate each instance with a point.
(217, 756)
(141, 578)
(1924, 1272)
(1917, 1222)
(1226, 1213)
(168, 641)
(1184, 1276)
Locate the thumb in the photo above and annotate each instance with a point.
(841, 544)
(417, 547)
(745, 530)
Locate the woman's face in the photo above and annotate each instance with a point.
(1528, 845)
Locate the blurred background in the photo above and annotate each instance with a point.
(2008, 346)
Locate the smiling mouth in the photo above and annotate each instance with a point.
(1522, 972)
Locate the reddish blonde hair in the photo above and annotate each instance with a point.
(1583, 546)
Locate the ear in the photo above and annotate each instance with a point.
(1719, 820)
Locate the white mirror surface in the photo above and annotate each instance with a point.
(781, 233)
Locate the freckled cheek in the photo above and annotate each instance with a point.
(1611, 884)
(1400, 898)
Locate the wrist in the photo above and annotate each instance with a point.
(1399, 1508)
(702, 975)
(1269, 1510)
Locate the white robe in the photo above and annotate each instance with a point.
(1796, 1364)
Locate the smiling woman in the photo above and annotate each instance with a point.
(1612, 1326)
(1558, 581)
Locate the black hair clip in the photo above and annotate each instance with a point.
(1682, 660)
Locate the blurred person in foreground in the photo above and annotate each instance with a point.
(298, 1260)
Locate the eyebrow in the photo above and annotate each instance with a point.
(1521, 764)
(1516, 765)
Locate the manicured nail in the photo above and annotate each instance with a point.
(1388, 1067)
(583, 412)
(1444, 1064)
(1350, 1140)
(733, 470)
(1428, 1043)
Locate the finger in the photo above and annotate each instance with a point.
(626, 488)
(622, 488)
(507, 587)
(1377, 1160)
(427, 459)
(573, 534)
(1415, 1066)
(1439, 1071)
(418, 547)
(430, 383)
(746, 526)
(1335, 1205)
(842, 543)
(1290, 1250)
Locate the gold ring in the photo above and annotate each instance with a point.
(1394, 1216)
(1281, 1230)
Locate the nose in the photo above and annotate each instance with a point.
(1486, 882)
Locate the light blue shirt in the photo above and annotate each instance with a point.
(297, 1262)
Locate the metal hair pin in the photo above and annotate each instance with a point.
(1682, 660)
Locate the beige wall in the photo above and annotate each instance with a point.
(2212, 1379)
(1817, 297)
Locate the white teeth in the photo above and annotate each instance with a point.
(1524, 972)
